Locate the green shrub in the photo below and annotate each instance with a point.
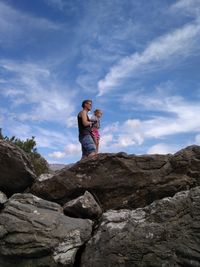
(29, 146)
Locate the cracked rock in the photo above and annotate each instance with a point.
(35, 232)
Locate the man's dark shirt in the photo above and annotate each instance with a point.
(83, 130)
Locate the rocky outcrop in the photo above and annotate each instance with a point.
(151, 207)
(124, 181)
(16, 170)
(84, 207)
(44, 176)
(3, 199)
(35, 232)
(165, 233)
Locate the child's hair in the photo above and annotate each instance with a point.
(97, 111)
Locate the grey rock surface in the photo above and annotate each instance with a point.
(36, 233)
(3, 198)
(44, 176)
(54, 167)
(124, 181)
(16, 170)
(165, 233)
(84, 207)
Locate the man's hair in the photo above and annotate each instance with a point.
(86, 101)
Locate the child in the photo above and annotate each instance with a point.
(95, 127)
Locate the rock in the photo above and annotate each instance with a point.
(124, 181)
(57, 166)
(187, 161)
(35, 232)
(165, 233)
(16, 170)
(3, 199)
(44, 176)
(84, 207)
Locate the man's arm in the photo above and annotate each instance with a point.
(84, 117)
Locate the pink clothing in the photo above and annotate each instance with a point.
(95, 133)
(95, 127)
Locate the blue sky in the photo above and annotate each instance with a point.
(139, 61)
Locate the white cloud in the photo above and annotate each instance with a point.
(72, 149)
(162, 149)
(57, 155)
(103, 48)
(105, 142)
(32, 85)
(50, 138)
(141, 99)
(117, 136)
(164, 49)
(187, 7)
(2, 80)
(45, 138)
(35, 96)
(56, 3)
(112, 127)
(125, 141)
(15, 24)
(178, 118)
(71, 122)
(13, 92)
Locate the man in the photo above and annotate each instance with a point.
(84, 126)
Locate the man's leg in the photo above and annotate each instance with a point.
(89, 146)
(84, 152)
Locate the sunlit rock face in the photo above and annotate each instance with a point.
(35, 232)
(124, 181)
(165, 233)
(84, 207)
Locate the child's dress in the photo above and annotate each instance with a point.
(95, 127)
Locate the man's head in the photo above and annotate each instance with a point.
(87, 104)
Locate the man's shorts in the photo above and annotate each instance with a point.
(88, 145)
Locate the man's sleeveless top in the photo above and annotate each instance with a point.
(83, 130)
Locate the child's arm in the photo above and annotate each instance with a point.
(94, 121)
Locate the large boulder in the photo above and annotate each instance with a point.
(165, 233)
(124, 181)
(16, 170)
(36, 233)
(84, 207)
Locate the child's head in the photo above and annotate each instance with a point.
(98, 113)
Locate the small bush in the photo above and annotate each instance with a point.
(29, 146)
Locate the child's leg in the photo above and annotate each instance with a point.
(95, 141)
(97, 145)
